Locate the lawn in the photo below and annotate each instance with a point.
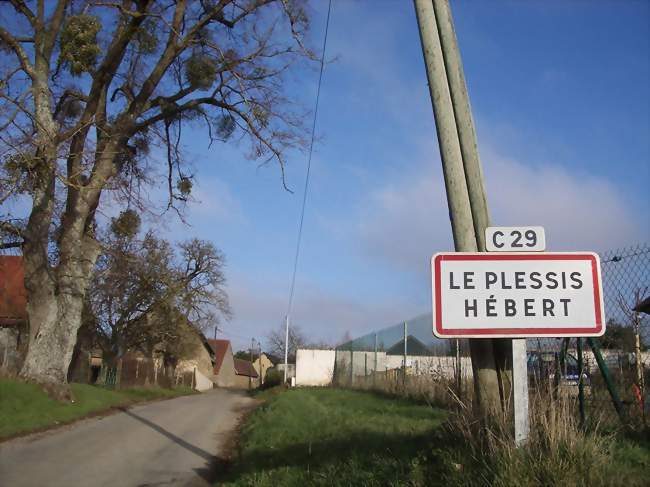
(25, 407)
(335, 437)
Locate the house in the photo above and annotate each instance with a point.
(262, 364)
(413, 347)
(229, 371)
(199, 357)
(14, 331)
(246, 375)
(223, 372)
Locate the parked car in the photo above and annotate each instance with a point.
(545, 366)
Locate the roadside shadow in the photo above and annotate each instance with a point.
(179, 441)
(207, 474)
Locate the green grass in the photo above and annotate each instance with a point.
(25, 407)
(334, 437)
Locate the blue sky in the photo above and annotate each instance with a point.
(560, 95)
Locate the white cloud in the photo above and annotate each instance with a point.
(260, 303)
(404, 222)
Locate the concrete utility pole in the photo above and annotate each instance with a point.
(405, 353)
(461, 166)
(259, 358)
(286, 346)
(250, 378)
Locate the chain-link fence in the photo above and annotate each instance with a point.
(406, 358)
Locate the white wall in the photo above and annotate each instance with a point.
(202, 382)
(314, 367)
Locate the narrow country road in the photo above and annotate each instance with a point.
(173, 442)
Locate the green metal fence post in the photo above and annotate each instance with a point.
(374, 372)
(351, 365)
(365, 364)
(604, 370)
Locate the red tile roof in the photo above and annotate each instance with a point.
(13, 296)
(220, 347)
(244, 367)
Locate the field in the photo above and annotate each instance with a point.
(25, 407)
(343, 437)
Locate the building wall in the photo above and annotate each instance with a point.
(315, 367)
(201, 382)
(265, 363)
(197, 357)
(241, 382)
(227, 376)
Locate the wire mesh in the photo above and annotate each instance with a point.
(404, 356)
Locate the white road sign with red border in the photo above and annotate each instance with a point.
(491, 295)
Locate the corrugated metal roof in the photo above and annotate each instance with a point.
(13, 296)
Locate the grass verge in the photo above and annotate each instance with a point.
(24, 407)
(333, 437)
(342, 437)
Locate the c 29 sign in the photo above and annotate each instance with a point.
(517, 295)
(515, 239)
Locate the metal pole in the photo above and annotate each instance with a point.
(374, 372)
(639, 365)
(365, 364)
(581, 385)
(604, 370)
(259, 357)
(286, 346)
(458, 370)
(351, 365)
(486, 383)
(250, 378)
(520, 391)
(405, 354)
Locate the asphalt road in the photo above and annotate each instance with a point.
(174, 442)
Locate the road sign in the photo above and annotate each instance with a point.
(515, 239)
(488, 295)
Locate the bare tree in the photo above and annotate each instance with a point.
(144, 295)
(275, 341)
(88, 88)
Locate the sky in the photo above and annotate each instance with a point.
(561, 101)
(560, 93)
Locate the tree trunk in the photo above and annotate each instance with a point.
(57, 319)
(50, 352)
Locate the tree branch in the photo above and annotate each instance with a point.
(22, 8)
(18, 51)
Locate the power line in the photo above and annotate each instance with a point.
(311, 149)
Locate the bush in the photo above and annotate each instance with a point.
(274, 377)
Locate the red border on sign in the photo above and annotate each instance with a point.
(524, 332)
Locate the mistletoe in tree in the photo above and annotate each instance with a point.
(89, 90)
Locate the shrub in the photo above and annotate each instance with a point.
(274, 377)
